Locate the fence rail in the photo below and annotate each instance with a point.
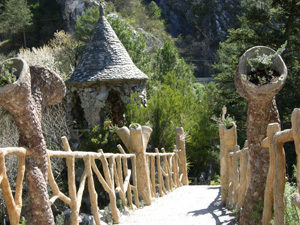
(235, 169)
(163, 171)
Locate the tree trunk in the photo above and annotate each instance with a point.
(24, 39)
(262, 110)
(260, 114)
(25, 99)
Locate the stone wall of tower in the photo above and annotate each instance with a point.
(93, 99)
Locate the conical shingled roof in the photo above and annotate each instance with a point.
(105, 59)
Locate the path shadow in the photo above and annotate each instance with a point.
(214, 187)
(216, 206)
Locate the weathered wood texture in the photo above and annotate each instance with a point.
(274, 190)
(228, 141)
(116, 177)
(170, 168)
(35, 88)
(262, 110)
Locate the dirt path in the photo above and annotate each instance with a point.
(188, 205)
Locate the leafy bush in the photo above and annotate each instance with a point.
(86, 24)
(100, 138)
(39, 56)
(228, 121)
(60, 55)
(66, 51)
(154, 10)
(292, 213)
(264, 62)
(22, 221)
(174, 100)
(261, 71)
(8, 73)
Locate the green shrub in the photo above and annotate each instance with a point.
(292, 213)
(154, 10)
(215, 180)
(228, 121)
(100, 138)
(264, 62)
(8, 73)
(22, 221)
(86, 24)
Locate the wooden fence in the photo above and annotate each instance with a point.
(235, 169)
(164, 175)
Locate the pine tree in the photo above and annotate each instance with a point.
(15, 18)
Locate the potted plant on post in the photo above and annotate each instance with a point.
(24, 92)
(260, 75)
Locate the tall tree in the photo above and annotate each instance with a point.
(268, 23)
(15, 18)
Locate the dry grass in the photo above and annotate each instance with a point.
(54, 127)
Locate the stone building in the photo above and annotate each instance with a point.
(103, 80)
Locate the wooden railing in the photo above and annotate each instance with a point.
(235, 172)
(163, 169)
(166, 171)
(235, 169)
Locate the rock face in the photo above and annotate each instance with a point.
(72, 9)
(202, 24)
(86, 106)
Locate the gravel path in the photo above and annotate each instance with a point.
(187, 205)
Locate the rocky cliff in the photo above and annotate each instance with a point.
(199, 25)
(71, 9)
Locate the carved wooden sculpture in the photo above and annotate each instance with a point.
(244, 175)
(234, 177)
(228, 141)
(269, 191)
(296, 136)
(180, 144)
(262, 110)
(136, 140)
(34, 89)
(13, 203)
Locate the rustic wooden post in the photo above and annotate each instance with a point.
(13, 204)
(228, 141)
(296, 136)
(134, 180)
(229, 201)
(153, 184)
(269, 191)
(175, 167)
(262, 110)
(70, 161)
(136, 139)
(243, 175)
(180, 144)
(91, 188)
(236, 174)
(127, 173)
(167, 171)
(159, 173)
(34, 89)
(233, 178)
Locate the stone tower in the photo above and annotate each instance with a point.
(103, 80)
